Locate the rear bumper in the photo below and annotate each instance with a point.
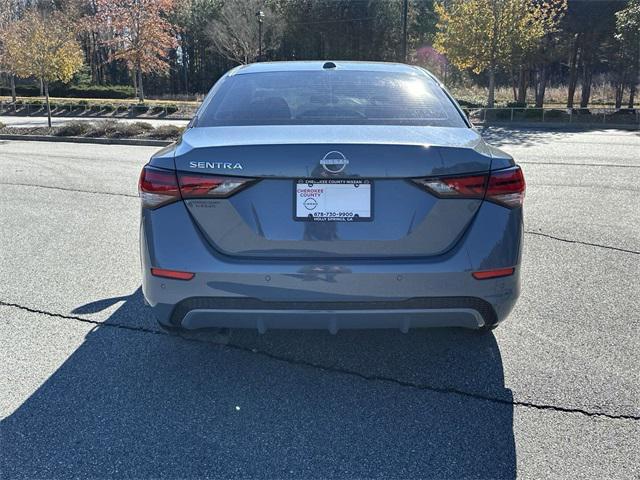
(330, 294)
(332, 320)
(204, 312)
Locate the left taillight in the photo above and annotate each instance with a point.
(210, 186)
(157, 187)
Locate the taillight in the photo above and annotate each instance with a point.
(210, 186)
(505, 187)
(466, 187)
(157, 187)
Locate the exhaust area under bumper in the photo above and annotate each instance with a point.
(211, 312)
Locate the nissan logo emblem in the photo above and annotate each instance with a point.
(334, 162)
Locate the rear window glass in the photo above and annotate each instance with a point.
(330, 97)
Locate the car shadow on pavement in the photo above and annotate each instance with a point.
(500, 136)
(133, 402)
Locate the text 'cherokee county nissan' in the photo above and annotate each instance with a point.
(330, 195)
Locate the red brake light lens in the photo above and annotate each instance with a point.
(157, 187)
(505, 187)
(210, 186)
(465, 187)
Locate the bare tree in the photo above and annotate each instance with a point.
(235, 33)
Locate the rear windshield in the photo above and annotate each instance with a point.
(330, 97)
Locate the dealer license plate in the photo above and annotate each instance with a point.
(333, 200)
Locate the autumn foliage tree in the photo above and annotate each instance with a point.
(141, 34)
(9, 10)
(43, 45)
(486, 35)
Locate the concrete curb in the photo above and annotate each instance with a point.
(102, 141)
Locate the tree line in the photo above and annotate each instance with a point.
(180, 47)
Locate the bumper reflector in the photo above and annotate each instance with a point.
(486, 274)
(174, 274)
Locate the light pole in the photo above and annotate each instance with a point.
(260, 17)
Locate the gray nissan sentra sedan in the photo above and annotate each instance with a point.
(330, 195)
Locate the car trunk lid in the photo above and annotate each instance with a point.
(260, 220)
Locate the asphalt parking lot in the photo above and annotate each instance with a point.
(89, 387)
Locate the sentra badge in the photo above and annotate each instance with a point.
(216, 165)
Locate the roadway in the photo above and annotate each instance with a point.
(90, 387)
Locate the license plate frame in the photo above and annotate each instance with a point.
(338, 216)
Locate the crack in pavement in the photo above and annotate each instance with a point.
(546, 235)
(341, 371)
(66, 189)
(566, 240)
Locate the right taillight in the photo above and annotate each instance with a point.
(505, 187)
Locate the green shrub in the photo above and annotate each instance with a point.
(140, 108)
(83, 103)
(122, 108)
(172, 108)
(498, 114)
(462, 103)
(533, 114)
(165, 132)
(73, 129)
(101, 128)
(555, 113)
(95, 91)
(21, 90)
(116, 129)
(108, 108)
(157, 109)
(145, 126)
(125, 130)
(516, 104)
(95, 108)
(85, 91)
